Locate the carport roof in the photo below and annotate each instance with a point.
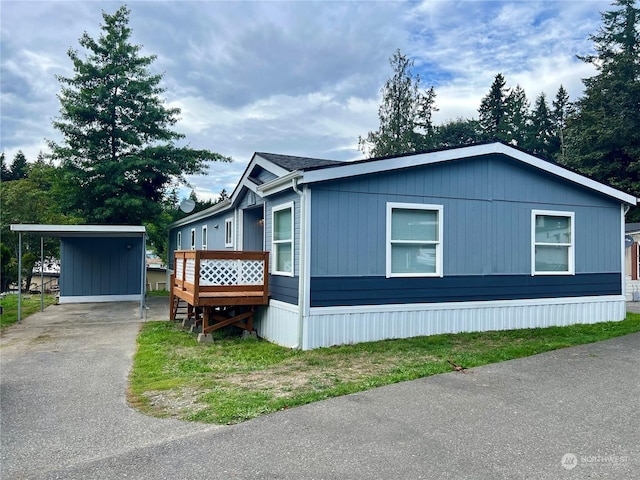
(81, 230)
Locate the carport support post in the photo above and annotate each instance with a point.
(19, 276)
(143, 280)
(41, 273)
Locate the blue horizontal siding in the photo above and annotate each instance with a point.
(352, 291)
(284, 289)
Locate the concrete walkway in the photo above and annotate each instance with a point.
(572, 413)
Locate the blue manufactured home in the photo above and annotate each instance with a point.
(483, 237)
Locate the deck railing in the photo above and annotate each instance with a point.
(221, 277)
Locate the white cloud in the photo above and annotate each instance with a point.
(297, 77)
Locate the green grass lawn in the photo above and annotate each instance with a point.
(233, 380)
(30, 304)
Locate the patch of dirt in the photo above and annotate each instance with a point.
(175, 403)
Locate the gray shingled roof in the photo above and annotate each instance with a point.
(291, 163)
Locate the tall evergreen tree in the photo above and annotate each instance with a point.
(493, 109)
(559, 115)
(604, 132)
(5, 171)
(541, 129)
(19, 166)
(405, 113)
(119, 151)
(514, 124)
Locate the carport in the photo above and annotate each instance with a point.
(98, 263)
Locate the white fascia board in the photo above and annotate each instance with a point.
(257, 160)
(279, 184)
(556, 169)
(77, 230)
(395, 163)
(218, 207)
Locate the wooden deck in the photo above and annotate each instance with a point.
(220, 287)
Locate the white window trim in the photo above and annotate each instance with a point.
(274, 251)
(572, 250)
(228, 232)
(439, 244)
(179, 241)
(193, 239)
(205, 234)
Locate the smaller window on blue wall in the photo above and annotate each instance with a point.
(193, 239)
(179, 241)
(204, 237)
(282, 239)
(414, 240)
(228, 232)
(552, 243)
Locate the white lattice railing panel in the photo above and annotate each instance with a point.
(231, 272)
(179, 269)
(190, 271)
(252, 272)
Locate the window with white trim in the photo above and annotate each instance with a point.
(552, 242)
(414, 240)
(228, 232)
(193, 239)
(204, 237)
(179, 241)
(282, 239)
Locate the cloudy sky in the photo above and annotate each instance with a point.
(297, 77)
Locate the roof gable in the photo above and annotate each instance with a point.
(384, 164)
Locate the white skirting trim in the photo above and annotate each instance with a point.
(343, 325)
(99, 298)
(279, 323)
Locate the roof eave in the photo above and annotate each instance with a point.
(218, 207)
(383, 165)
(280, 184)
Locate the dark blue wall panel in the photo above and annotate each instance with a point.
(284, 289)
(351, 291)
(100, 266)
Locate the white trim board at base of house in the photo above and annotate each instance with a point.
(99, 298)
(329, 326)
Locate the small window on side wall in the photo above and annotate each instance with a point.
(414, 240)
(179, 241)
(193, 239)
(552, 244)
(282, 239)
(228, 232)
(204, 237)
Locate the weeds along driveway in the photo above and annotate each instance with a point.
(63, 375)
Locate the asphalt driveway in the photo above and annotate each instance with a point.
(572, 413)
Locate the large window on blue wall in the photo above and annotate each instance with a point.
(414, 240)
(282, 239)
(552, 250)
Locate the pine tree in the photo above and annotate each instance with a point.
(541, 129)
(603, 137)
(493, 109)
(19, 166)
(513, 127)
(118, 152)
(559, 115)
